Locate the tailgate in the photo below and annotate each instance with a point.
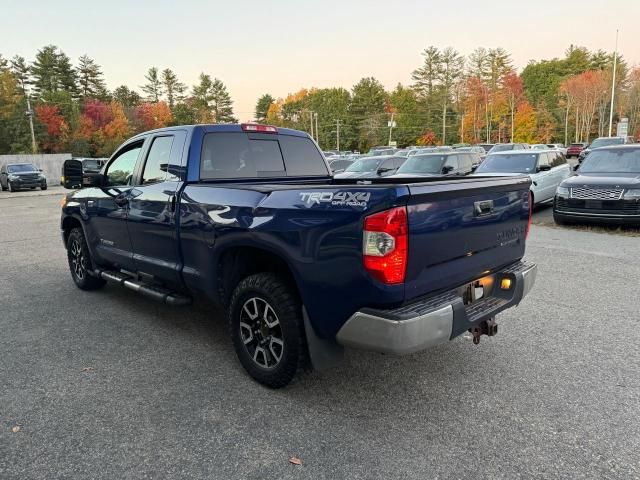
(460, 230)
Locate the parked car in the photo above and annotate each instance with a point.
(19, 176)
(506, 147)
(540, 146)
(437, 164)
(558, 146)
(381, 151)
(420, 151)
(330, 153)
(605, 189)
(604, 142)
(474, 149)
(547, 170)
(250, 216)
(92, 165)
(574, 149)
(486, 146)
(372, 167)
(339, 165)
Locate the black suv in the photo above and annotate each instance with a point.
(17, 176)
(605, 189)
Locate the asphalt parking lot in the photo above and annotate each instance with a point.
(110, 385)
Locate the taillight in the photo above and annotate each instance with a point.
(254, 127)
(385, 245)
(530, 214)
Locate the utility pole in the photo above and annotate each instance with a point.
(338, 135)
(311, 120)
(34, 148)
(613, 84)
(391, 125)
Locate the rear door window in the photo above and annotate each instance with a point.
(452, 161)
(155, 168)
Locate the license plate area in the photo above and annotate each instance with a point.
(477, 289)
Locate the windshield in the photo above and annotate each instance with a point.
(605, 142)
(21, 168)
(423, 164)
(612, 161)
(364, 165)
(508, 163)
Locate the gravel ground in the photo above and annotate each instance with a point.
(109, 385)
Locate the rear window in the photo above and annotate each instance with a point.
(301, 157)
(241, 155)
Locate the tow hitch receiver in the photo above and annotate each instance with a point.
(486, 327)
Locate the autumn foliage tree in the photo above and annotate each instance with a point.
(149, 116)
(55, 127)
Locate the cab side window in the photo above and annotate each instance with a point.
(120, 170)
(452, 161)
(157, 164)
(559, 159)
(543, 160)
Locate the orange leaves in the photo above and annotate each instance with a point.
(427, 138)
(525, 123)
(153, 115)
(51, 118)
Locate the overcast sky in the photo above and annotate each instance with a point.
(279, 46)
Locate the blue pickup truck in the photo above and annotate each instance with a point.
(303, 264)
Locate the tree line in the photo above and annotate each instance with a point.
(469, 99)
(73, 111)
(452, 98)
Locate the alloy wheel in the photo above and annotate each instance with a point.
(261, 333)
(78, 260)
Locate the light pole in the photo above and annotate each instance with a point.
(613, 84)
(338, 135)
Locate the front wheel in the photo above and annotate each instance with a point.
(265, 322)
(80, 262)
(43, 187)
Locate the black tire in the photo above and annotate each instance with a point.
(43, 187)
(80, 261)
(250, 334)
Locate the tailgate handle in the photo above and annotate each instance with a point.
(483, 207)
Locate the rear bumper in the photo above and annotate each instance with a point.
(431, 321)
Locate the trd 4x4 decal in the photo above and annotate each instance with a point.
(338, 199)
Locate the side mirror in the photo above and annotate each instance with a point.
(447, 169)
(73, 177)
(576, 167)
(71, 174)
(40, 170)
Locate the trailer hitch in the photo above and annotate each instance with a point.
(486, 327)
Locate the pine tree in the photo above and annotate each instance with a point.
(66, 74)
(213, 100)
(44, 70)
(21, 72)
(90, 78)
(126, 96)
(221, 103)
(173, 87)
(262, 107)
(153, 87)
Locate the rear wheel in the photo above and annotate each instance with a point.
(80, 262)
(265, 322)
